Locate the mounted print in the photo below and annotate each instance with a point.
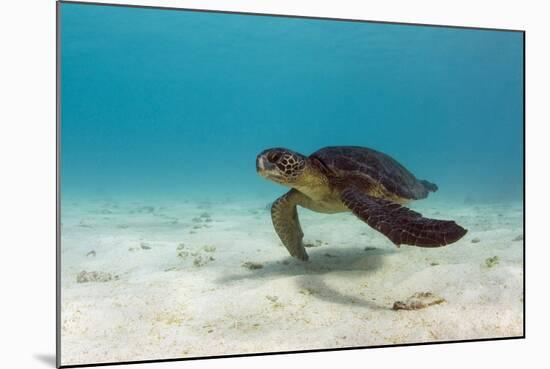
(235, 184)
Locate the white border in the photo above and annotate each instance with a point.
(465, 13)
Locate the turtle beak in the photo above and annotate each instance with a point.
(263, 166)
(260, 163)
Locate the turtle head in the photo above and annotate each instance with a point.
(281, 165)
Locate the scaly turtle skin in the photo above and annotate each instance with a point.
(370, 184)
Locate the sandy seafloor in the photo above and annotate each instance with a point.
(179, 289)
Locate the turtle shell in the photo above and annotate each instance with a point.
(370, 170)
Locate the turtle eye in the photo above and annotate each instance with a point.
(274, 156)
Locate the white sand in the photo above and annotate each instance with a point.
(160, 305)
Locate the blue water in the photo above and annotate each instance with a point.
(162, 102)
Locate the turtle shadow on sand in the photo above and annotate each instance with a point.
(354, 260)
(326, 293)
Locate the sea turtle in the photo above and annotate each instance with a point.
(370, 184)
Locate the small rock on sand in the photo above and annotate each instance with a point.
(417, 301)
(274, 302)
(252, 265)
(306, 291)
(85, 277)
(475, 240)
(209, 248)
(492, 261)
(145, 246)
(91, 253)
(518, 238)
(183, 254)
(200, 261)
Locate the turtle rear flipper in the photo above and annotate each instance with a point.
(400, 224)
(287, 225)
(432, 187)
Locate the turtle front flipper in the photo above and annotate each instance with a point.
(287, 225)
(400, 224)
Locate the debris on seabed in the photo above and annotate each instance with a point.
(417, 301)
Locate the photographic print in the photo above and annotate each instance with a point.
(233, 184)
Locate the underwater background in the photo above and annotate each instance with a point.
(160, 104)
